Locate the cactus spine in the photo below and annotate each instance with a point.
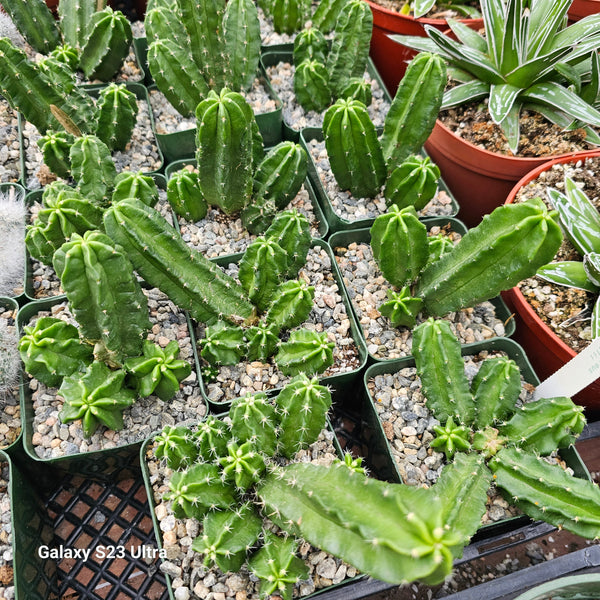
(35, 22)
(75, 15)
(161, 257)
(117, 112)
(353, 148)
(305, 352)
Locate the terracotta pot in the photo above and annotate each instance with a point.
(480, 180)
(546, 351)
(389, 57)
(583, 8)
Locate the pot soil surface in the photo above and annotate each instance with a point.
(6, 553)
(10, 410)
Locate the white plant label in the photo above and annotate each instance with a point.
(573, 377)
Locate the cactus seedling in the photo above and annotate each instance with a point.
(177, 446)
(185, 197)
(130, 184)
(117, 112)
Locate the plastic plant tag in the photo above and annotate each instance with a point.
(574, 376)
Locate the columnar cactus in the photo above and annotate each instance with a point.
(66, 54)
(311, 85)
(212, 438)
(223, 344)
(310, 44)
(165, 261)
(262, 341)
(358, 89)
(413, 183)
(243, 465)
(104, 295)
(35, 22)
(253, 419)
(117, 112)
(50, 350)
(327, 14)
(96, 397)
(289, 15)
(108, 39)
(158, 371)
(350, 46)
(291, 230)
(55, 147)
(134, 184)
(75, 16)
(185, 197)
(354, 152)
(291, 305)
(176, 445)
(93, 168)
(306, 351)
(224, 150)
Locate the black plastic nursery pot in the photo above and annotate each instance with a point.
(576, 587)
(20, 178)
(273, 55)
(92, 463)
(342, 239)
(11, 438)
(36, 196)
(340, 382)
(83, 535)
(18, 191)
(336, 222)
(7, 482)
(513, 351)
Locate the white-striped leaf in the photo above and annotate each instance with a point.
(467, 92)
(569, 273)
(467, 36)
(596, 320)
(591, 264)
(511, 40)
(527, 73)
(422, 44)
(576, 33)
(493, 19)
(502, 98)
(421, 7)
(511, 127)
(546, 18)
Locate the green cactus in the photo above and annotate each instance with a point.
(51, 350)
(305, 352)
(291, 230)
(227, 536)
(289, 15)
(358, 89)
(134, 184)
(117, 113)
(413, 183)
(55, 147)
(399, 244)
(241, 31)
(176, 445)
(281, 173)
(108, 39)
(311, 85)
(75, 16)
(96, 397)
(451, 438)
(392, 532)
(212, 438)
(164, 260)
(414, 109)
(93, 168)
(262, 341)
(67, 55)
(165, 23)
(198, 489)
(291, 305)
(243, 465)
(354, 152)
(277, 566)
(350, 46)
(158, 371)
(185, 197)
(258, 215)
(176, 75)
(63, 214)
(310, 44)
(401, 308)
(303, 405)
(327, 14)
(224, 150)
(438, 246)
(253, 419)
(261, 270)
(35, 22)
(223, 344)
(104, 295)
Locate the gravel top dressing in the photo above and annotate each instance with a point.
(10, 409)
(7, 590)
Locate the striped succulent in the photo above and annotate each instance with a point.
(527, 59)
(580, 221)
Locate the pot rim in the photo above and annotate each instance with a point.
(515, 293)
(390, 14)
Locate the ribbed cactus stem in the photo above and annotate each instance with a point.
(311, 85)
(135, 184)
(35, 22)
(117, 113)
(289, 15)
(75, 16)
(413, 183)
(253, 419)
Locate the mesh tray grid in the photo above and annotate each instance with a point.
(92, 515)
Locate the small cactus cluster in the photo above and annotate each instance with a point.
(89, 35)
(234, 174)
(323, 75)
(218, 466)
(198, 46)
(434, 277)
(363, 163)
(580, 221)
(265, 272)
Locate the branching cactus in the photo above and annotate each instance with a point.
(310, 44)
(55, 147)
(311, 85)
(413, 183)
(51, 350)
(262, 341)
(291, 230)
(212, 438)
(66, 54)
(185, 197)
(292, 304)
(159, 370)
(177, 446)
(75, 17)
(98, 397)
(354, 151)
(134, 184)
(254, 419)
(104, 295)
(358, 89)
(327, 14)
(117, 112)
(303, 405)
(490, 258)
(243, 465)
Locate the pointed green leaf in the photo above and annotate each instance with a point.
(568, 272)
